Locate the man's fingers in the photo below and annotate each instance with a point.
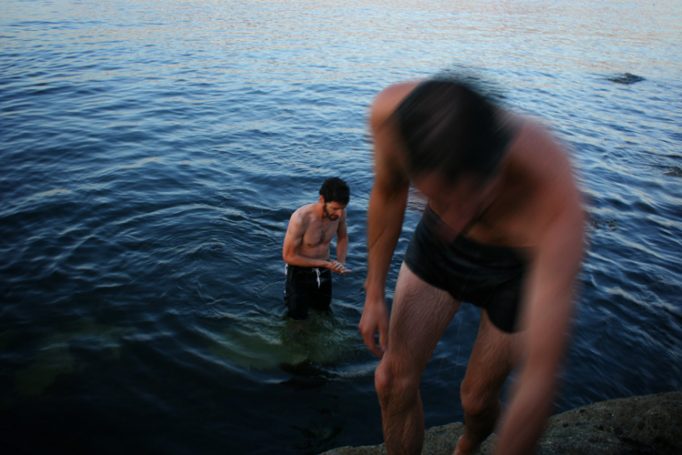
(368, 338)
(376, 350)
(339, 268)
(383, 337)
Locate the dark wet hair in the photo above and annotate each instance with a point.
(335, 190)
(451, 127)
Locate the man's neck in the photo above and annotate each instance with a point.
(319, 211)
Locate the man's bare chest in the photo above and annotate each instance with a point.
(320, 233)
(508, 221)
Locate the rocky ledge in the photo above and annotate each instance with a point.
(649, 424)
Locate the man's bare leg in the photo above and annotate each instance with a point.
(419, 316)
(492, 358)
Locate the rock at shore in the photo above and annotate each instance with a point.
(649, 424)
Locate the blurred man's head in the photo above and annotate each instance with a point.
(450, 129)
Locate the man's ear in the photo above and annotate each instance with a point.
(321, 199)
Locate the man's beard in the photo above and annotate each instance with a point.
(330, 216)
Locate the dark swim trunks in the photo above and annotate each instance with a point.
(307, 287)
(488, 276)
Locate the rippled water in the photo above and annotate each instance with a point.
(152, 153)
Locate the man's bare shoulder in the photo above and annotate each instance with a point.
(388, 100)
(541, 153)
(304, 214)
(547, 168)
(389, 162)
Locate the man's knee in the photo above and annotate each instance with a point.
(478, 400)
(393, 382)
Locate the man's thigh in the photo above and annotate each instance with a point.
(321, 297)
(419, 316)
(493, 356)
(300, 292)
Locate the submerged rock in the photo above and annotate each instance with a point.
(647, 424)
(626, 78)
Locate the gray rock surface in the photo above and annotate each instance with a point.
(650, 424)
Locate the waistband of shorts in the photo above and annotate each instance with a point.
(299, 269)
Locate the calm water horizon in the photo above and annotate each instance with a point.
(152, 153)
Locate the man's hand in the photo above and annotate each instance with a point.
(337, 267)
(374, 319)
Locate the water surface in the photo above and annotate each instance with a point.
(152, 153)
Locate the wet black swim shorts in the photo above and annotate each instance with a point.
(307, 287)
(490, 277)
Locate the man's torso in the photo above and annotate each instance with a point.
(485, 261)
(319, 233)
(517, 212)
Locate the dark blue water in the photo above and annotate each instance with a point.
(152, 153)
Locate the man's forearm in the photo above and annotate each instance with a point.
(304, 261)
(546, 324)
(342, 250)
(524, 421)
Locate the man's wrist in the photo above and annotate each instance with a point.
(374, 294)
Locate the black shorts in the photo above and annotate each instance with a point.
(307, 287)
(488, 276)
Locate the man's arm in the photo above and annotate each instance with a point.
(292, 245)
(342, 241)
(385, 215)
(546, 319)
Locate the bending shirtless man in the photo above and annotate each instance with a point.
(306, 249)
(503, 229)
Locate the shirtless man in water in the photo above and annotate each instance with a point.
(503, 229)
(306, 249)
